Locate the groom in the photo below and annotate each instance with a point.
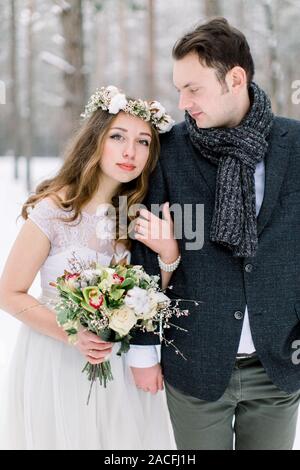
(241, 378)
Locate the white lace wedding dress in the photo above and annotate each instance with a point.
(44, 406)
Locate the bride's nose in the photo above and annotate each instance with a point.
(129, 151)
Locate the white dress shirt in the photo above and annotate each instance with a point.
(246, 345)
(147, 356)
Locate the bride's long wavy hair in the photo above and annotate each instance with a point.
(79, 175)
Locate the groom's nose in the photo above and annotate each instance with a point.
(184, 102)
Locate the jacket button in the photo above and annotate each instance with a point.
(238, 315)
(248, 268)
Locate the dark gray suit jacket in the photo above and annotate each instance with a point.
(269, 283)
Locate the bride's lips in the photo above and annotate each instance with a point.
(126, 167)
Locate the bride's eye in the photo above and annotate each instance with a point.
(145, 142)
(116, 137)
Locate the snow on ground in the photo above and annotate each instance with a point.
(12, 196)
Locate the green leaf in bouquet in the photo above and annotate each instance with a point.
(66, 292)
(108, 335)
(66, 312)
(62, 316)
(71, 331)
(128, 283)
(144, 284)
(105, 275)
(62, 293)
(130, 274)
(76, 298)
(60, 280)
(116, 293)
(121, 270)
(115, 303)
(125, 345)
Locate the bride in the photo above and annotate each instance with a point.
(112, 155)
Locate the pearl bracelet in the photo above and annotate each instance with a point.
(168, 267)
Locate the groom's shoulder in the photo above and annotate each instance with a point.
(177, 133)
(289, 127)
(173, 139)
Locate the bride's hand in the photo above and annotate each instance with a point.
(157, 234)
(92, 347)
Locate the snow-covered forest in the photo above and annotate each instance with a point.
(54, 53)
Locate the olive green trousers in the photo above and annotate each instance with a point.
(252, 414)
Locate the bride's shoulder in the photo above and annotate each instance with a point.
(45, 206)
(52, 201)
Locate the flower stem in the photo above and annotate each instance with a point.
(101, 371)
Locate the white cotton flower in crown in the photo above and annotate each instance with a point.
(166, 126)
(158, 108)
(112, 90)
(138, 299)
(117, 103)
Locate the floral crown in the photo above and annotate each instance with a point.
(111, 99)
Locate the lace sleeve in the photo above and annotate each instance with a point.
(41, 215)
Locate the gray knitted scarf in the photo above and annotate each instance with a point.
(236, 151)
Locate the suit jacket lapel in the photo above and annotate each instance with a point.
(276, 161)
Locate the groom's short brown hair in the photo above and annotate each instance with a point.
(218, 45)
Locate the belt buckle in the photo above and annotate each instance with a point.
(245, 356)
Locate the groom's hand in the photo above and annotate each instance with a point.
(149, 379)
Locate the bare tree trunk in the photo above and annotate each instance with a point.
(124, 59)
(150, 81)
(28, 114)
(14, 118)
(275, 66)
(101, 49)
(74, 78)
(212, 8)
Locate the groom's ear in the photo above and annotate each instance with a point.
(238, 78)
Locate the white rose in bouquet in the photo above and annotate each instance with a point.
(122, 320)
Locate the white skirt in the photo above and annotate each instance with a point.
(44, 403)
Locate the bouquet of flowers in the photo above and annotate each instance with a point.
(112, 302)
